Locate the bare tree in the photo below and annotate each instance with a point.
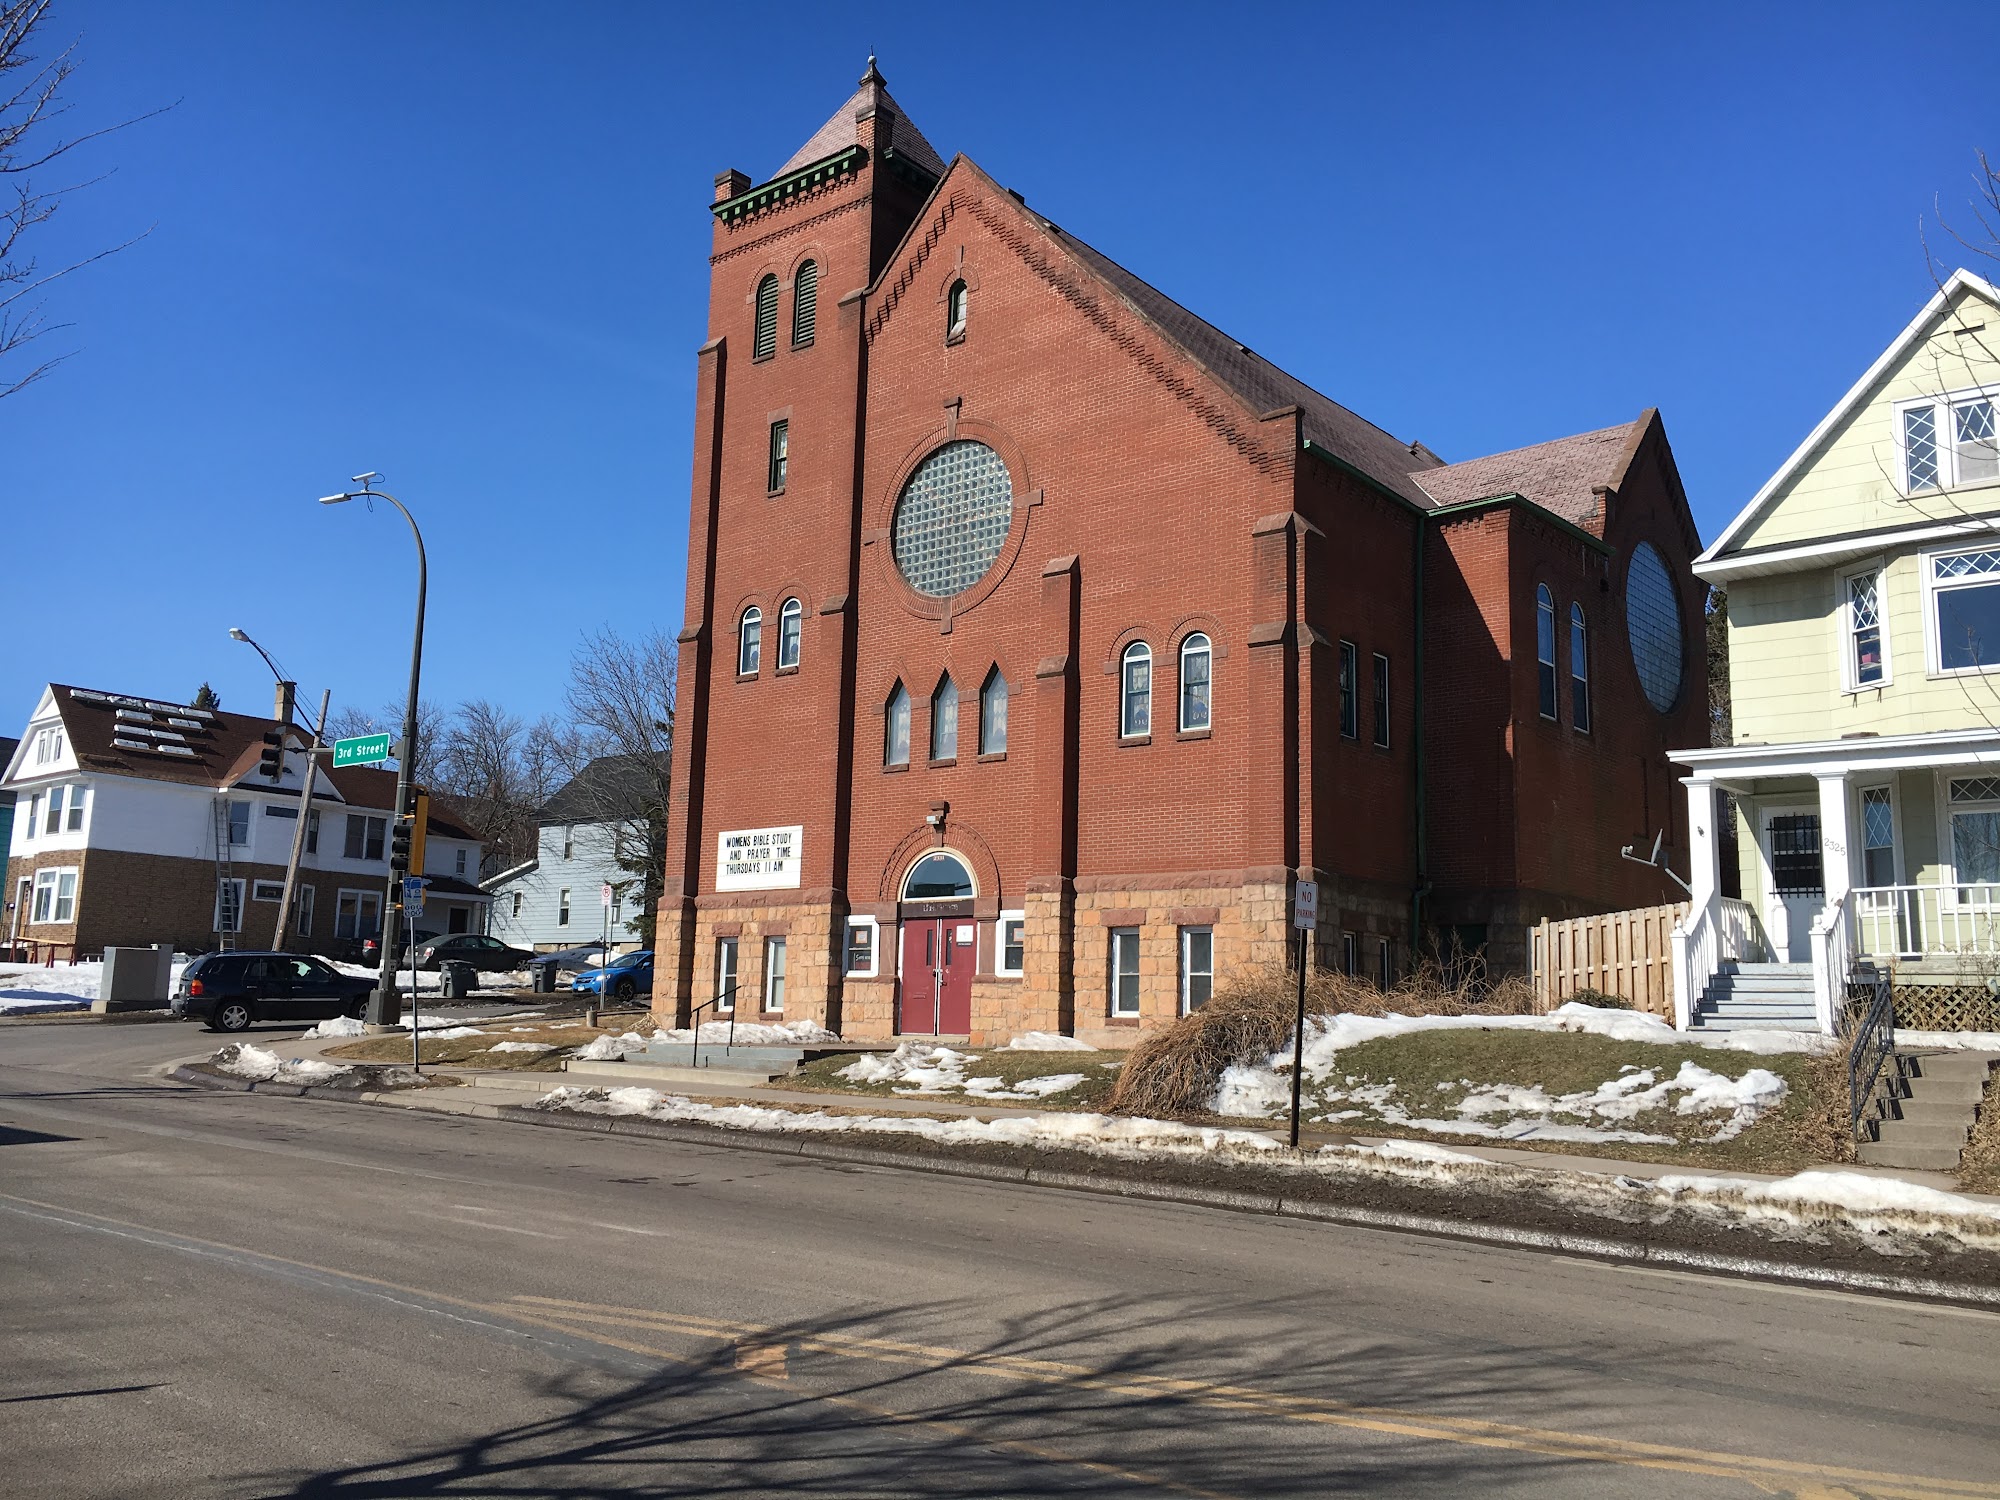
(621, 698)
(1721, 722)
(349, 722)
(31, 104)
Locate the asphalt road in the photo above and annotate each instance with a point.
(220, 1294)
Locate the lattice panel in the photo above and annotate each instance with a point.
(1947, 1007)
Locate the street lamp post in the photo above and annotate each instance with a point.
(287, 690)
(384, 1006)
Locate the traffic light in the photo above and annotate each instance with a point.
(272, 761)
(399, 846)
(406, 839)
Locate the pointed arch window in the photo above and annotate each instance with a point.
(750, 642)
(1579, 670)
(805, 304)
(896, 728)
(955, 304)
(993, 715)
(791, 624)
(1545, 650)
(1196, 657)
(764, 340)
(944, 720)
(1135, 708)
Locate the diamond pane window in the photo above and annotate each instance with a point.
(1976, 789)
(1967, 565)
(1973, 436)
(1653, 624)
(953, 519)
(1878, 837)
(1865, 621)
(1920, 451)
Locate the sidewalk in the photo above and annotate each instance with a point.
(481, 1091)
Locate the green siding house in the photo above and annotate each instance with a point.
(1864, 644)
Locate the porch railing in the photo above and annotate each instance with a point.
(1871, 1043)
(1832, 949)
(1912, 921)
(1723, 931)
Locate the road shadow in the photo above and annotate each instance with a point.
(1101, 1398)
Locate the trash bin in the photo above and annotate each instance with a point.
(459, 978)
(543, 976)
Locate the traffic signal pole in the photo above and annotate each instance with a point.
(305, 814)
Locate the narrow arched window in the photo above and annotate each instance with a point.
(896, 731)
(1579, 670)
(944, 720)
(1195, 658)
(750, 642)
(805, 304)
(1135, 709)
(791, 622)
(764, 343)
(1545, 649)
(954, 310)
(993, 714)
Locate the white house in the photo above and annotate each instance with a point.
(555, 900)
(141, 821)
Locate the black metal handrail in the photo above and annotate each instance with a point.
(1871, 1044)
(694, 1023)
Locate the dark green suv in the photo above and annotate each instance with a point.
(229, 991)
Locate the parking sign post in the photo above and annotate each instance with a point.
(1305, 917)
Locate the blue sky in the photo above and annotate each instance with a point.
(464, 245)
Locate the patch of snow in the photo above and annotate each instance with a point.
(1874, 1205)
(611, 1048)
(338, 1026)
(1976, 1041)
(919, 1068)
(38, 1002)
(447, 1033)
(753, 1033)
(522, 1047)
(1046, 1041)
(262, 1066)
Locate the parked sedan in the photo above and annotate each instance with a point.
(229, 991)
(622, 977)
(570, 960)
(483, 953)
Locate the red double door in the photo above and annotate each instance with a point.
(939, 956)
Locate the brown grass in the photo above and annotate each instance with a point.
(472, 1051)
(1979, 1167)
(1816, 1121)
(1173, 1074)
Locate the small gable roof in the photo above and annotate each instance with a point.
(1857, 395)
(1559, 476)
(611, 788)
(840, 130)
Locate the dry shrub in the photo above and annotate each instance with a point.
(1979, 1167)
(1817, 1120)
(1173, 1074)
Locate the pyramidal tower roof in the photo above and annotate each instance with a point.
(839, 132)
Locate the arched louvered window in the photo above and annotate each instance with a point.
(791, 620)
(1579, 670)
(1545, 649)
(805, 304)
(944, 720)
(1195, 658)
(954, 310)
(993, 714)
(896, 729)
(765, 341)
(750, 642)
(1135, 707)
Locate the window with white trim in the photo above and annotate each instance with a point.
(725, 974)
(896, 728)
(993, 715)
(1385, 964)
(1196, 657)
(1949, 440)
(1124, 971)
(55, 822)
(774, 974)
(781, 456)
(1350, 953)
(49, 746)
(955, 304)
(562, 907)
(1878, 836)
(1135, 712)
(1579, 670)
(1867, 654)
(791, 632)
(34, 818)
(1975, 832)
(55, 895)
(1010, 943)
(302, 911)
(1965, 609)
(863, 939)
(357, 914)
(364, 835)
(944, 720)
(267, 890)
(1197, 967)
(1545, 650)
(239, 824)
(749, 642)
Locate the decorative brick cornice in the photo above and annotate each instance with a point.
(807, 179)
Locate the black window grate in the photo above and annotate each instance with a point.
(1795, 861)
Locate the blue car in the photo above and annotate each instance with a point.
(622, 977)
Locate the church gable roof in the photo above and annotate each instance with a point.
(840, 131)
(1559, 476)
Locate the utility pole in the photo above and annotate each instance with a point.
(305, 815)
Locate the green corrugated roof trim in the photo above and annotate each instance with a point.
(812, 175)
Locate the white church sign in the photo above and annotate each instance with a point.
(758, 859)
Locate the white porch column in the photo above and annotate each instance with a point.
(1703, 845)
(1835, 853)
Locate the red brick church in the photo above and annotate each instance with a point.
(1040, 636)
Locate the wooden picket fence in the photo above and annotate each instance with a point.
(1627, 953)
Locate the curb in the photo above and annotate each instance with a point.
(1110, 1184)
(85, 1017)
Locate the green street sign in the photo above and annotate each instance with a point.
(363, 750)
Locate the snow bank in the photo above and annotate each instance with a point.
(1976, 1041)
(754, 1034)
(338, 1026)
(62, 981)
(38, 1002)
(435, 1033)
(916, 1068)
(246, 1061)
(522, 1047)
(611, 1048)
(1046, 1041)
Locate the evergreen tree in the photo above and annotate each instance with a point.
(206, 697)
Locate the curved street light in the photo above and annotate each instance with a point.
(385, 1006)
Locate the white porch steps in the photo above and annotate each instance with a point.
(1758, 997)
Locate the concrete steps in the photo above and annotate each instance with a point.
(678, 1062)
(1758, 997)
(1926, 1110)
